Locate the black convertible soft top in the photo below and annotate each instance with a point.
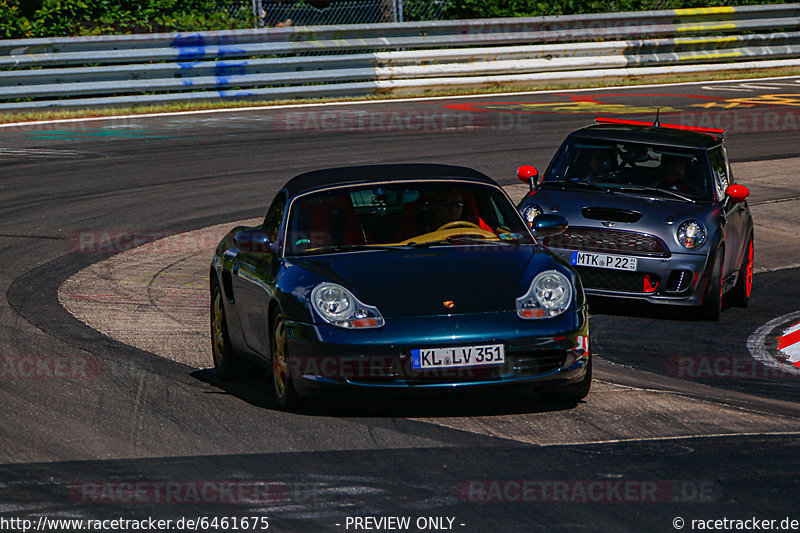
(369, 173)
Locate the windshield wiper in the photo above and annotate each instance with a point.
(656, 190)
(347, 248)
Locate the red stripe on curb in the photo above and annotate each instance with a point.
(788, 340)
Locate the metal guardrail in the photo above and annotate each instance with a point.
(355, 60)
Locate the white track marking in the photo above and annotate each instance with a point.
(750, 87)
(775, 269)
(708, 85)
(757, 348)
(737, 89)
(776, 201)
(679, 437)
(756, 86)
(38, 153)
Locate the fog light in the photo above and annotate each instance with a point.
(650, 283)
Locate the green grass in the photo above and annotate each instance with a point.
(55, 114)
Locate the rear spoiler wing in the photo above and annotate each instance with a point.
(714, 132)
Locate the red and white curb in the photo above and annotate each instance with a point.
(785, 356)
(789, 344)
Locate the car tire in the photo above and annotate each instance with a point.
(711, 308)
(740, 296)
(570, 393)
(282, 386)
(229, 365)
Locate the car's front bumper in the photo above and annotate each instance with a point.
(552, 351)
(680, 279)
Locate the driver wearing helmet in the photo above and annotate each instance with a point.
(673, 171)
(602, 163)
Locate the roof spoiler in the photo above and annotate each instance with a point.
(714, 132)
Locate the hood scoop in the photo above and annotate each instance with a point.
(611, 214)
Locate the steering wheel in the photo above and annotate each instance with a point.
(458, 224)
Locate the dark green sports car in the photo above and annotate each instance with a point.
(399, 277)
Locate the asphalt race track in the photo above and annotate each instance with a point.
(687, 420)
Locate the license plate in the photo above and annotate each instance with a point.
(492, 354)
(617, 262)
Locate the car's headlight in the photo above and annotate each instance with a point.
(549, 295)
(336, 305)
(529, 212)
(691, 234)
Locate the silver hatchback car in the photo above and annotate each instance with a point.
(654, 214)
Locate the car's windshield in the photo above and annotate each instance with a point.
(402, 214)
(632, 167)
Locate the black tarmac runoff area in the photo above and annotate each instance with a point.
(113, 419)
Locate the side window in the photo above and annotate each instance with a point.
(731, 177)
(719, 171)
(272, 223)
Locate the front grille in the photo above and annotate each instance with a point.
(612, 280)
(538, 363)
(391, 369)
(608, 241)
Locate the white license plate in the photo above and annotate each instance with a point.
(617, 262)
(424, 358)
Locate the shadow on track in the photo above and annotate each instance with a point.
(394, 404)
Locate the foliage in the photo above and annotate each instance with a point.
(56, 18)
(459, 9)
(13, 23)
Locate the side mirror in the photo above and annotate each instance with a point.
(529, 175)
(547, 225)
(737, 193)
(253, 241)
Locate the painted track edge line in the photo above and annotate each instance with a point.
(384, 101)
(677, 437)
(777, 268)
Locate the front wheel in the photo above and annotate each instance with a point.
(711, 309)
(740, 296)
(285, 394)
